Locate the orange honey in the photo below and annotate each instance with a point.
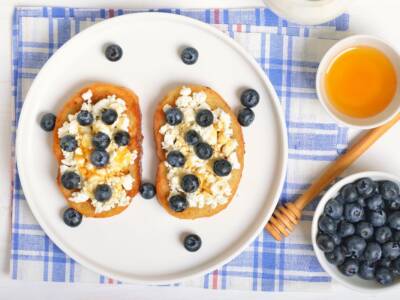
(361, 82)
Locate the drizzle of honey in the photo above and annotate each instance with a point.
(361, 82)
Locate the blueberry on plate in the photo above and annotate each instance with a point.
(189, 55)
(173, 116)
(383, 234)
(48, 121)
(349, 267)
(372, 252)
(393, 204)
(377, 218)
(178, 203)
(190, 183)
(391, 250)
(389, 190)
(384, 276)
(192, 242)
(122, 138)
(99, 158)
(375, 202)
(192, 137)
(394, 220)
(325, 243)
(395, 266)
(365, 187)
(70, 180)
(384, 262)
(334, 209)
(103, 192)
(353, 212)
(101, 140)
(339, 198)
(336, 238)
(72, 217)
(355, 246)
(147, 190)
(336, 257)
(68, 143)
(362, 201)
(396, 235)
(109, 116)
(349, 193)
(204, 117)
(327, 224)
(222, 167)
(176, 159)
(113, 52)
(249, 98)
(366, 271)
(246, 116)
(346, 229)
(365, 230)
(85, 118)
(203, 150)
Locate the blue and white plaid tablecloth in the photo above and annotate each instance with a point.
(289, 55)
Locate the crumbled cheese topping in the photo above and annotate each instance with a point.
(116, 173)
(214, 190)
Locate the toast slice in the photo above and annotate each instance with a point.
(72, 106)
(214, 101)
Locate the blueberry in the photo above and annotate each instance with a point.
(203, 150)
(109, 116)
(176, 159)
(249, 98)
(190, 183)
(383, 234)
(192, 137)
(396, 266)
(375, 203)
(393, 204)
(99, 158)
(189, 55)
(47, 122)
(339, 198)
(355, 245)
(391, 250)
(204, 118)
(389, 190)
(72, 217)
(394, 220)
(336, 257)
(114, 52)
(336, 239)
(173, 116)
(101, 141)
(222, 167)
(384, 262)
(192, 242)
(366, 271)
(353, 212)
(396, 236)
(70, 180)
(365, 230)
(68, 143)
(365, 187)
(246, 116)
(122, 138)
(349, 193)
(349, 267)
(373, 252)
(325, 243)
(85, 118)
(178, 203)
(362, 201)
(147, 190)
(334, 209)
(377, 218)
(346, 229)
(103, 192)
(384, 276)
(327, 224)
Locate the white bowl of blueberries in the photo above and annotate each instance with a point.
(356, 231)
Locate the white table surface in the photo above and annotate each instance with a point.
(378, 17)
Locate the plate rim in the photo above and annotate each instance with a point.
(279, 181)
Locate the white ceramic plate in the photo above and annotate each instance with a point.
(143, 244)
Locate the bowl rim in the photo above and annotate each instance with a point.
(331, 192)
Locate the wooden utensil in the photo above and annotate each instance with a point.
(287, 216)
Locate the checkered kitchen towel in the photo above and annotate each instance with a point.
(289, 55)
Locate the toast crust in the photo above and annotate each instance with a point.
(73, 105)
(214, 100)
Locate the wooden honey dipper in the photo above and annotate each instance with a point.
(287, 216)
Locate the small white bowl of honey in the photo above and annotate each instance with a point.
(358, 81)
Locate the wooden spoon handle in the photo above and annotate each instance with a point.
(345, 160)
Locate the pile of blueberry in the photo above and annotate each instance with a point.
(359, 231)
(249, 99)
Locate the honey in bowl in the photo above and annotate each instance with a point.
(361, 82)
